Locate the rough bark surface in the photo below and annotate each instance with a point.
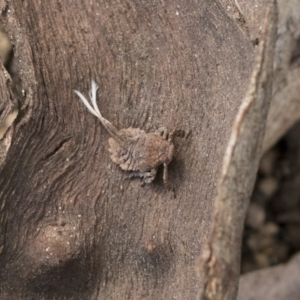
(72, 226)
(218, 264)
(6, 94)
(285, 106)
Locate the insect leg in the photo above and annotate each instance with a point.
(149, 176)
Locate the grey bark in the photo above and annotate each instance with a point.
(72, 226)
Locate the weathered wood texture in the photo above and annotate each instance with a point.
(219, 264)
(285, 106)
(72, 226)
(6, 94)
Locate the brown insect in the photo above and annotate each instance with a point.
(133, 149)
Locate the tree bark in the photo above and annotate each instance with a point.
(285, 106)
(72, 225)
